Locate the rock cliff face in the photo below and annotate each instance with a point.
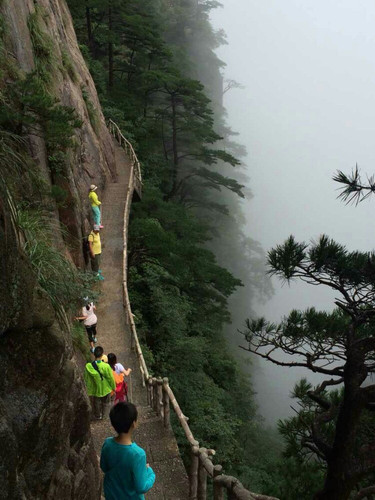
(92, 160)
(46, 446)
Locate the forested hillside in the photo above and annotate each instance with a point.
(158, 77)
(193, 273)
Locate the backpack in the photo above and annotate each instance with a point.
(86, 249)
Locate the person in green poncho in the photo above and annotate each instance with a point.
(100, 383)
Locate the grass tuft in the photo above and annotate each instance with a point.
(80, 341)
(68, 66)
(43, 48)
(91, 110)
(63, 282)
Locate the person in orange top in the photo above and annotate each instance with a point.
(119, 372)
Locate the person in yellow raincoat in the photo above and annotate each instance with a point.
(95, 205)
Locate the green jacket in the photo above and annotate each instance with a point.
(95, 385)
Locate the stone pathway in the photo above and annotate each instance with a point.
(113, 335)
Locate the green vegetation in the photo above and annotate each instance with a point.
(68, 66)
(29, 107)
(43, 48)
(59, 195)
(64, 284)
(80, 343)
(92, 112)
(158, 77)
(166, 97)
(332, 432)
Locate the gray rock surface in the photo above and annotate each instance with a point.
(46, 444)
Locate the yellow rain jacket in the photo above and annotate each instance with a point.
(94, 199)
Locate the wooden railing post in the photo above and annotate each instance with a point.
(154, 395)
(230, 493)
(193, 476)
(166, 407)
(149, 391)
(218, 488)
(159, 392)
(202, 477)
(132, 340)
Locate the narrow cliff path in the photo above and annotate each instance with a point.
(114, 336)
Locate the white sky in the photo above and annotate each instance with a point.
(308, 109)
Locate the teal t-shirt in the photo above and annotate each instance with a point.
(126, 475)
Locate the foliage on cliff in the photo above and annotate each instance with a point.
(47, 449)
(29, 108)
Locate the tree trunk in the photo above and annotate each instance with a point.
(110, 47)
(174, 145)
(163, 139)
(131, 65)
(340, 479)
(145, 105)
(89, 30)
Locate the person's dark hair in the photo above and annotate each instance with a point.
(98, 351)
(112, 360)
(88, 307)
(122, 416)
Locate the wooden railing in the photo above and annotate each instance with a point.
(127, 146)
(159, 393)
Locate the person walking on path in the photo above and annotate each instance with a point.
(127, 475)
(95, 247)
(100, 383)
(90, 321)
(119, 373)
(117, 367)
(95, 205)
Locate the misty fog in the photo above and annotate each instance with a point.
(307, 109)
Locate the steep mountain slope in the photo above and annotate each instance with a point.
(91, 159)
(47, 449)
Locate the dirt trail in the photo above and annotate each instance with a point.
(113, 336)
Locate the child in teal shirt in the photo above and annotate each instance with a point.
(127, 475)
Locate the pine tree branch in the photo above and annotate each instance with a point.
(353, 190)
(322, 402)
(334, 371)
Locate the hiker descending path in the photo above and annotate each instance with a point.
(159, 443)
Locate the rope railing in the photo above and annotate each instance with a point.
(160, 396)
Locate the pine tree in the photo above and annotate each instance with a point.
(339, 345)
(187, 130)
